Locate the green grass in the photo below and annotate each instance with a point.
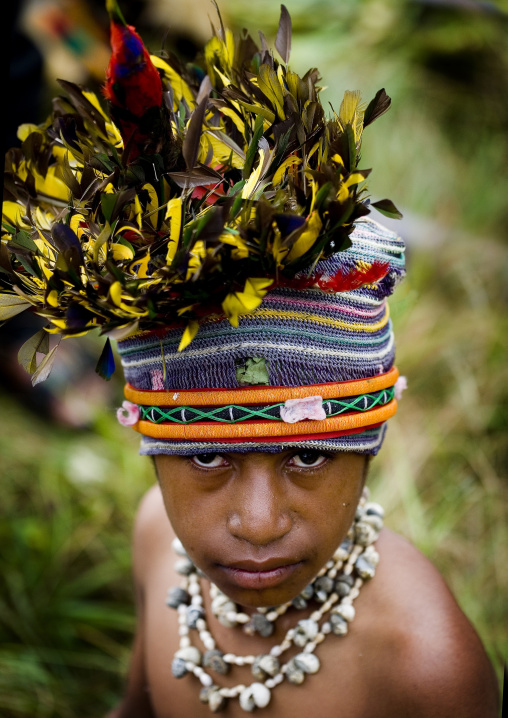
(66, 605)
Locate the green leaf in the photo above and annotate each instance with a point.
(253, 147)
(23, 240)
(11, 304)
(108, 201)
(27, 355)
(43, 370)
(253, 372)
(386, 207)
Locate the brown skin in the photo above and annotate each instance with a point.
(410, 650)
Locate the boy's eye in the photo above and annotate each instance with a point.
(210, 461)
(307, 459)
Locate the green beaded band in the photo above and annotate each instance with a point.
(233, 414)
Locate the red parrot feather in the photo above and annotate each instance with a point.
(134, 88)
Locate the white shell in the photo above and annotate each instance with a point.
(375, 508)
(269, 664)
(184, 566)
(306, 630)
(260, 694)
(215, 701)
(256, 695)
(227, 608)
(178, 547)
(346, 611)
(191, 654)
(365, 534)
(218, 602)
(307, 662)
(373, 520)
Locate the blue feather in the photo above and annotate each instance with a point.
(106, 364)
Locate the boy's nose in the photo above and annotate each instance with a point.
(259, 513)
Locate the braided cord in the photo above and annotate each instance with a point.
(229, 414)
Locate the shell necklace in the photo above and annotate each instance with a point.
(334, 589)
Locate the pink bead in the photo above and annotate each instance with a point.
(128, 414)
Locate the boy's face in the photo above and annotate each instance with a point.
(261, 526)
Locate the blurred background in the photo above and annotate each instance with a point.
(71, 479)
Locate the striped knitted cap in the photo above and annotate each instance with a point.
(310, 368)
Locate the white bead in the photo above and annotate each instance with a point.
(276, 651)
(326, 628)
(197, 600)
(185, 642)
(194, 589)
(231, 616)
(183, 631)
(209, 644)
(206, 680)
(272, 616)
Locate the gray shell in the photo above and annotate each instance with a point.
(294, 674)
(339, 625)
(214, 659)
(307, 592)
(177, 596)
(178, 668)
(364, 568)
(265, 665)
(342, 588)
(324, 583)
(260, 624)
(194, 613)
(299, 603)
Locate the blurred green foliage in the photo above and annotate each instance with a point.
(69, 498)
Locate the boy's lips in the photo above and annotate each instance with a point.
(253, 575)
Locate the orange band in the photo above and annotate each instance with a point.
(259, 395)
(256, 429)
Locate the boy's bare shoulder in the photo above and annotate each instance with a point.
(434, 660)
(153, 534)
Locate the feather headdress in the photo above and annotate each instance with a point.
(192, 194)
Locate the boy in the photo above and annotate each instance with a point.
(218, 231)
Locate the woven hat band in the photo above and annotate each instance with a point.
(260, 395)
